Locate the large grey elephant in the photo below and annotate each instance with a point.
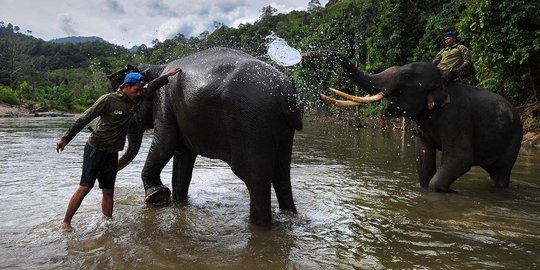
(225, 105)
(469, 125)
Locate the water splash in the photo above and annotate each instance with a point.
(280, 52)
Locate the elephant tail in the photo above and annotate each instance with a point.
(291, 107)
(294, 119)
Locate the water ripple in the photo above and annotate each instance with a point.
(356, 192)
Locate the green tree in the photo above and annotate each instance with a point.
(55, 97)
(505, 39)
(438, 20)
(314, 6)
(12, 52)
(8, 96)
(267, 11)
(26, 91)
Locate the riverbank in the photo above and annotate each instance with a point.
(8, 110)
(530, 116)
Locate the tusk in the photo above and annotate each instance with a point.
(342, 103)
(366, 99)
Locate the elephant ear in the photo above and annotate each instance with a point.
(438, 96)
(117, 77)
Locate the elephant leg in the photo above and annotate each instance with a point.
(499, 174)
(182, 172)
(425, 161)
(503, 167)
(282, 175)
(260, 212)
(161, 151)
(489, 170)
(452, 167)
(256, 171)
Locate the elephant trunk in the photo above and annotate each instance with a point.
(366, 82)
(134, 136)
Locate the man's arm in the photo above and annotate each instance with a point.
(438, 58)
(90, 114)
(160, 81)
(466, 60)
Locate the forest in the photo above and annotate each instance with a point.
(503, 38)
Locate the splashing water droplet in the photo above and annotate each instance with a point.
(281, 53)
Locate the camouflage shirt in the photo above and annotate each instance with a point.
(454, 57)
(115, 111)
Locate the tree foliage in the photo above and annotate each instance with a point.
(59, 76)
(505, 39)
(502, 35)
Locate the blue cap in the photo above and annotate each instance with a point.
(132, 78)
(450, 34)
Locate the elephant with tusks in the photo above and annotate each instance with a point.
(471, 126)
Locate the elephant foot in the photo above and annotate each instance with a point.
(157, 195)
(502, 184)
(261, 222)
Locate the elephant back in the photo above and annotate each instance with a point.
(236, 82)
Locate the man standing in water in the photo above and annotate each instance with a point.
(116, 110)
(453, 60)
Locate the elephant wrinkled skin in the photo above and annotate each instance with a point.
(469, 125)
(225, 105)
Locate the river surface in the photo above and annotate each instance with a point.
(356, 191)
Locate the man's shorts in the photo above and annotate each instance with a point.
(101, 165)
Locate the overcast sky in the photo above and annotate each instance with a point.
(134, 22)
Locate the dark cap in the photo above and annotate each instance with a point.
(450, 34)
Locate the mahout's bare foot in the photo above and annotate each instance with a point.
(67, 227)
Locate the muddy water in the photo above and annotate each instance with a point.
(356, 192)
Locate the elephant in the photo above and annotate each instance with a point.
(470, 126)
(225, 105)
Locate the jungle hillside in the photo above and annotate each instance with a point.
(502, 36)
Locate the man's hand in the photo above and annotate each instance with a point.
(448, 76)
(60, 146)
(455, 72)
(173, 71)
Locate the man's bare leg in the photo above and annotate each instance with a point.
(73, 205)
(107, 202)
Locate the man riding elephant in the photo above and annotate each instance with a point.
(454, 60)
(469, 126)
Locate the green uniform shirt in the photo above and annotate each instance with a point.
(452, 58)
(115, 111)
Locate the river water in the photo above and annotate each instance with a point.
(356, 191)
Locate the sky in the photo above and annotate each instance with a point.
(134, 22)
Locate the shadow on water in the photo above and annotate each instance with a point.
(356, 192)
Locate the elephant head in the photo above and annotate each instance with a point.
(143, 118)
(409, 90)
